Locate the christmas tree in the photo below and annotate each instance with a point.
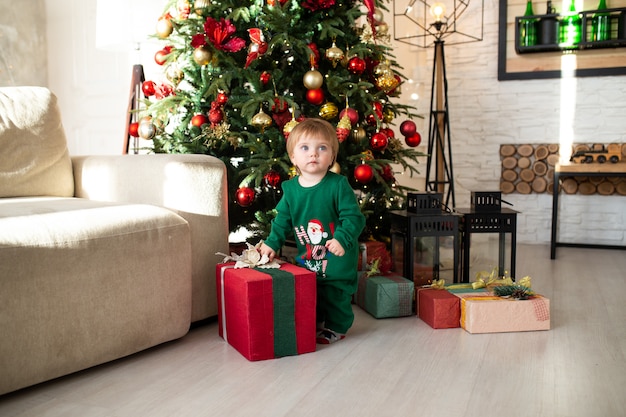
(240, 74)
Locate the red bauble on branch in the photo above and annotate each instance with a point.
(315, 96)
(413, 140)
(272, 178)
(245, 196)
(356, 65)
(363, 173)
(408, 128)
(379, 141)
(133, 129)
(198, 120)
(148, 88)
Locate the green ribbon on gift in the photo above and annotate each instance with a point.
(284, 297)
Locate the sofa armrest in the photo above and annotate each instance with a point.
(194, 186)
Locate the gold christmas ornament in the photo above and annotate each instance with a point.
(174, 74)
(313, 79)
(343, 128)
(329, 111)
(382, 29)
(334, 54)
(358, 134)
(164, 28)
(336, 168)
(378, 15)
(202, 55)
(201, 4)
(388, 115)
(261, 120)
(385, 78)
(146, 129)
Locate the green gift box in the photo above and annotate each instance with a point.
(385, 296)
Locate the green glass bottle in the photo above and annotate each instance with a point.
(570, 29)
(601, 24)
(528, 27)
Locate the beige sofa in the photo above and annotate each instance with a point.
(100, 256)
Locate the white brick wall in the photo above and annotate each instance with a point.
(485, 113)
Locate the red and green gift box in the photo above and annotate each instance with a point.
(385, 295)
(267, 313)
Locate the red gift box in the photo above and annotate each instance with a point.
(267, 313)
(370, 251)
(438, 308)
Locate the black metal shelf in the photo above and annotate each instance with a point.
(618, 32)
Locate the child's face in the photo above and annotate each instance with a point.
(312, 155)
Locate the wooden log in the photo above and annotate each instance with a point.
(509, 162)
(539, 185)
(541, 152)
(569, 186)
(525, 150)
(540, 168)
(581, 147)
(606, 188)
(523, 162)
(523, 188)
(620, 188)
(549, 187)
(509, 175)
(527, 175)
(552, 159)
(595, 180)
(507, 150)
(550, 173)
(624, 149)
(507, 187)
(553, 147)
(587, 188)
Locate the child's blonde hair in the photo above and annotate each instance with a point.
(316, 128)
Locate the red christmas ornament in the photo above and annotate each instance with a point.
(272, 178)
(280, 106)
(353, 115)
(408, 128)
(363, 173)
(198, 120)
(221, 99)
(265, 77)
(379, 141)
(315, 96)
(133, 129)
(387, 173)
(389, 132)
(148, 88)
(216, 115)
(378, 109)
(413, 140)
(245, 196)
(356, 65)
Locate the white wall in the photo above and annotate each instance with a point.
(93, 88)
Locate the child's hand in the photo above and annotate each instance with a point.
(335, 247)
(266, 250)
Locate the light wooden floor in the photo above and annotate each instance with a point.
(391, 367)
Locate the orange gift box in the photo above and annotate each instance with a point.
(484, 313)
(265, 314)
(438, 308)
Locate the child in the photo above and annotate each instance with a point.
(321, 210)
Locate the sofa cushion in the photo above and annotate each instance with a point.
(85, 282)
(34, 160)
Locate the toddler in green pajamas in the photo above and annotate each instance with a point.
(320, 209)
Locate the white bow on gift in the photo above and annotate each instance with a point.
(250, 258)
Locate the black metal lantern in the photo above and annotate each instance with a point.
(485, 218)
(425, 241)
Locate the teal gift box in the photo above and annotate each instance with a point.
(385, 296)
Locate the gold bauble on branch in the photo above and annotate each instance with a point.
(388, 115)
(174, 74)
(334, 54)
(313, 79)
(261, 120)
(201, 4)
(164, 28)
(329, 111)
(336, 168)
(358, 134)
(202, 55)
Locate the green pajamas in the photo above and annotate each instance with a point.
(314, 215)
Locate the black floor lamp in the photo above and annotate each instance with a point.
(420, 23)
